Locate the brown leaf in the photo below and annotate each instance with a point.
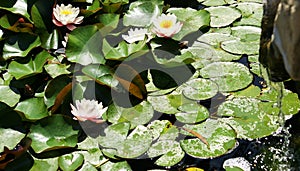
(60, 97)
(197, 135)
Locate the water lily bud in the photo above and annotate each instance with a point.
(166, 25)
(88, 110)
(66, 16)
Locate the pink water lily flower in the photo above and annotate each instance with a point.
(166, 25)
(66, 16)
(88, 110)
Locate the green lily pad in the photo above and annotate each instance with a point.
(217, 2)
(141, 13)
(17, 7)
(101, 73)
(87, 166)
(52, 133)
(228, 75)
(20, 70)
(123, 165)
(191, 19)
(220, 138)
(40, 164)
(240, 47)
(222, 16)
(247, 118)
(33, 108)
(290, 103)
(251, 13)
(169, 150)
(200, 89)
(236, 164)
(124, 50)
(8, 96)
(55, 70)
(84, 46)
(20, 45)
(246, 33)
(70, 162)
(116, 142)
(137, 115)
(166, 103)
(91, 152)
(12, 138)
(192, 113)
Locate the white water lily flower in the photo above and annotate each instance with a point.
(66, 16)
(88, 110)
(136, 35)
(166, 25)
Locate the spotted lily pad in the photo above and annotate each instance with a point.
(222, 16)
(200, 89)
(220, 138)
(169, 150)
(116, 142)
(240, 47)
(70, 162)
(229, 76)
(251, 13)
(192, 113)
(246, 117)
(166, 103)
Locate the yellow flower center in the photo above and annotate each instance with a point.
(65, 12)
(166, 24)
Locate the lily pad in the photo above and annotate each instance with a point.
(12, 138)
(192, 113)
(247, 119)
(169, 150)
(117, 143)
(240, 47)
(191, 19)
(166, 103)
(33, 108)
(247, 33)
(8, 96)
(84, 46)
(200, 89)
(70, 162)
(123, 165)
(52, 133)
(141, 13)
(229, 76)
(17, 7)
(50, 163)
(222, 16)
(251, 13)
(217, 2)
(220, 138)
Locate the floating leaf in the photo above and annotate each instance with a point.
(200, 89)
(87, 165)
(222, 16)
(50, 163)
(251, 13)
(102, 74)
(220, 137)
(141, 13)
(235, 164)
(70, 162)
(169, 150)
(247, 33)
(84, 46)
(20, 70)
(52, 133)
(12, 138)
(239, 47)
(251, 91)
(191, 19)
(217, 2)
(192, 113)
(55, 70)
(17, 7)
(20, 45)
(228, 75)
(247, 119)
(33, 108)
(8, 96)
(116, 142)
(124, 166)
(166, 104)
(290, 103)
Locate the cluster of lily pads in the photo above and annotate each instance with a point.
(87, 84)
